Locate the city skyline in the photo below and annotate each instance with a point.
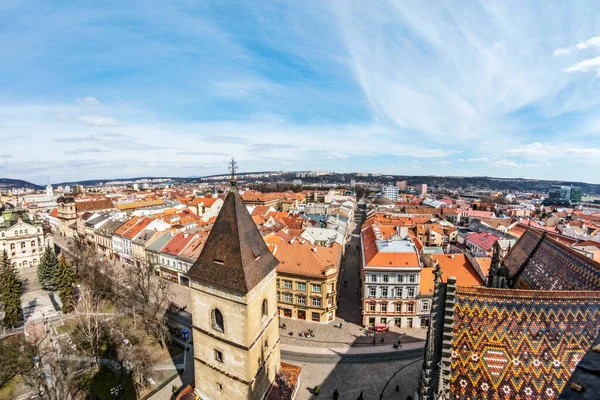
(94, 92)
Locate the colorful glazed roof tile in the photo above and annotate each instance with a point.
(538, 262)
(519, 344)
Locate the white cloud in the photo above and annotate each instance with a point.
(592, 64)
(88, 101)
(445, 162)
(546, 151)
(478, 159)
(511, 164)
(533, 149)
(98, 121)
(587, 44)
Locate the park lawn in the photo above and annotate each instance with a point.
(159, 378)
(108, 307)
(67, 327)
(7, 392)
(97, 383)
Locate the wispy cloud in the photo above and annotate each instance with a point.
(83, 151)
(512, 164)
(300, 85)
(590, 65)
(88, 101)
(586, 44)
(98, 121)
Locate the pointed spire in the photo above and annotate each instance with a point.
(235, 256)
(233, 167)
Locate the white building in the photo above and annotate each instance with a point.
(22, 236)
(391, 271)
(390, 192)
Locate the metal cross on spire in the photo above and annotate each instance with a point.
(233, 167)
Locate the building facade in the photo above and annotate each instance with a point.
(390, 273)
(22, 236)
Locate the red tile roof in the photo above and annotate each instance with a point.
(483, 239)
(177, 243)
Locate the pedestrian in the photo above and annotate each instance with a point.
(316, 390)
(360, 396)
(336, 395)
(399, 344)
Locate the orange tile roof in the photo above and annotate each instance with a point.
(376, 258)
(54, 213)
(298, 258)
(485, 263)
(451, 265)
(140, 204)
(260, 210)
(137, 228)
(127, 226)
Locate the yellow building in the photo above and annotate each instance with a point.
(234, 309)
(307, 278)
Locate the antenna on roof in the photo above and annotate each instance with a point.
(233, 167)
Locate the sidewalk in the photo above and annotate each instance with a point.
(351, 350)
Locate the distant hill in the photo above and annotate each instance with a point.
(6, 183)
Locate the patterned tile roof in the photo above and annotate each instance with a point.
(519, 344)
(557, 267)
(539, 262)
(519, 254)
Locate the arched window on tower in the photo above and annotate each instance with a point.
(23, 245)
(217, 320)
(265, 309)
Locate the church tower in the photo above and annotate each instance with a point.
(234, 308)
(49, 191)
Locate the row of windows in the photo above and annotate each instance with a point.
(399, 278)
(23, 245)
(300, 300)
(393, 293)
(20, 232)
(383, 307)
(410, 307)
(314, 288)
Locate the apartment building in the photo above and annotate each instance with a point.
(390, 272)
(307, 278)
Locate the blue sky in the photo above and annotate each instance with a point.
(126, 88)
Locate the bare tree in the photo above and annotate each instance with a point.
(132, 353)
(150, 300)
(90, 323)
(52, 372)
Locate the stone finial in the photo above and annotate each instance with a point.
(437, 271)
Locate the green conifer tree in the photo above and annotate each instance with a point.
(65, 280)
(47, 269)
(11, 286)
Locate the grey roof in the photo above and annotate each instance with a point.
(144, 237)
(111, 226)
(97, 220)
(160, 242)
(235, 256)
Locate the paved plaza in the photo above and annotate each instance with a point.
(351, 379)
